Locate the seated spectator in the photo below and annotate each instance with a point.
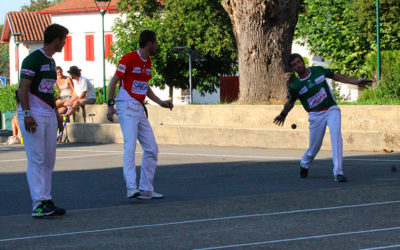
(17, 135)
(84, 90)
(65, 89)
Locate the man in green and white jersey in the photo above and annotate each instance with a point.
(317, 99)
(38, 118)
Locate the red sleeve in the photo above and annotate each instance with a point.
(122, 66)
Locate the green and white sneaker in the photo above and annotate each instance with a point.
(339, 178)
(47, 208)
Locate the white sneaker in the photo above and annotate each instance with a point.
(132, 193)
(147, 195)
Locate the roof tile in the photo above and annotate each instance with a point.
(30, 24)
(69, 6)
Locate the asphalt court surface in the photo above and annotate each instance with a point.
(215, 198)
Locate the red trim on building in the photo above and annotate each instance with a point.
(89, 47)
(108, 38)
(68, 49)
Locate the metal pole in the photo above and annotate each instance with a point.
(378, 50)
(103, 12)
(190, 77)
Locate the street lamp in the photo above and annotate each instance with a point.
(17, 42)
(196, 57)
(102, 5)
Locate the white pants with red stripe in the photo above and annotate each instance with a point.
(136, 126)
(318, 122)
(40, 148)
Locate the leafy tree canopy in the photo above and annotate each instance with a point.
(201, 25)
(344, 31)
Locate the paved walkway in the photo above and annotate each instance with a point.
(215, 197)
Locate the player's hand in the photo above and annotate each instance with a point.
(30, 124)
(280, 120)
(60, 123)
(363, 82)
(167, 104)
(110, 112)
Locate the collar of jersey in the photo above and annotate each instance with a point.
(303, 79)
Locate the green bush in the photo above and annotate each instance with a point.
(7, 98)
(388, 90)
(99, 94)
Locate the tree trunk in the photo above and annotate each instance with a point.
(264, 33)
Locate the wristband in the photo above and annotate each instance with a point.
(111, 102)
(27, 113)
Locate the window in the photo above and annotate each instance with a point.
(89, 47)
(108, 38)
(68, 49)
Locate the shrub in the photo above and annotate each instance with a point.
(7, 98)
(389, 87)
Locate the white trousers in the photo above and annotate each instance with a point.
(136, 126)
(318, 122)
(40, 148)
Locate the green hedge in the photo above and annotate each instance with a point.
(388, 90)
(7, 98)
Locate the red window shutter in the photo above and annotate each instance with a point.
(89, 47)
(16, 58)
(108, 40)
(68, 49)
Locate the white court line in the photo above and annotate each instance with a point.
(203, 155)
(66, 157)
(203, 220)
(384, 247)
(302, 238)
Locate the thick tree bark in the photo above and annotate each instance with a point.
(264, 33)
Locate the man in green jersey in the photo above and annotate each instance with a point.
(317, 99)
(38, 118)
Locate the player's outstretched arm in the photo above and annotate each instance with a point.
(280, 119)
(154, 98)
(345, 79)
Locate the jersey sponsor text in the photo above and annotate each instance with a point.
(316, 99)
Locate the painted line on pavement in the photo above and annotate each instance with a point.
(302, 238)
(202, 220)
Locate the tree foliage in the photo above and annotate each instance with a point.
(37, 5)
(201, 25)
(4, 58)
(344, 31)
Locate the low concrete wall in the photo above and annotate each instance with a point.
(364, 128)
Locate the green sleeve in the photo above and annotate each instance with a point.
(328, 72)
(29, 68)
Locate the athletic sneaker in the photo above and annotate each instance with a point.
(303, 171)
(57, 210)
(339, 178)
(47, 208)
(133, 193)
(147, 195)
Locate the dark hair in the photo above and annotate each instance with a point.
(145, 37)
(74, 70)
(294, 56)
(54, 31)
(59, 68)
